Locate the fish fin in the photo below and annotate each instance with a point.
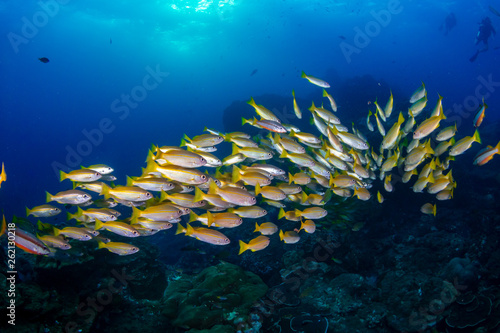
(28, 211)
(235, 175)
(163, 196)
(183, 143)
(257, 189)
(57, 232)
(62, 175)
(281, 235)
(281, 213)
(434, 209)
(98, 224)
(198, 194)
(257, 228)
(48, 197)
(105, 191)
(243, 247)
(477, 138)
(180, 229)
(101, 245)
(303, 75)
(136, 212)
(130, 181)
(189, 230)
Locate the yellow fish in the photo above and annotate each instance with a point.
(256, 244)
(122, 249)
(315, 81)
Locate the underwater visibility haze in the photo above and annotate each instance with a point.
(250, 166)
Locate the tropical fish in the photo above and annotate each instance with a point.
(129, 193)
(103, 169)
(204, 234)
(119, 228)
(53, 241)
(428, 209)
(486, 154)
(315, 81)
(256, 244)
(308, 226)
(478, 118)
(296, 108)
(73, 232)
(80, 175)
(332, 101)
(3, 175)
(263, 112)
(44, 60)
(463, 144)
(29, 243)
(418, 94)
(72, 197)
(122, 249)
(43, 211)
(289, 237)
(266, 228)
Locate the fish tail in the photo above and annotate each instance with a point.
(297, 212)
(101, 245)
(105, 191)
(257, 189)
(130, 181)
(212, 188)
(28, 211)
(303, 75)
(236, 150)
(235, 175)
(70, 216)
(290, 178)
(477, 138)
(136, 212)
(401, 119)
(192, 217)
(48, 196)
(281, 213)
(497, 147)
(185, 137)
(57, 232)
(293, 93)
(183, 143)
(180, 229)
(198, 195)
(434, 209)
(281, 235)
(163, 196)
(304, 197)
(325, 94)
(98, 224)
(210, 218)
(189, 230)
(62, 175)
(252, 102)
(257, 228)
(243, 247)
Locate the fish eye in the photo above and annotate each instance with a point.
(264, 211)
(253, 199)
(202, 159)
(136, 233)
(203, 177)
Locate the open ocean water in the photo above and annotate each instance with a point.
(92, 82)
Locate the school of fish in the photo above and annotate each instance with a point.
(217, 194)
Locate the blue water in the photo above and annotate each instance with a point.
(206, 52)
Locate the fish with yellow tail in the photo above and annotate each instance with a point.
(389, 106)
(256, 244)
(266, 228)
(122, 249)
(446, 133)
(55, 242)
(486, 154)
(73, 232)
(428, 209)
(418, 94)
(296, 108)
(315, 81)
(119, 228)
(289, 237)
(332, 101)
(463, 144)
(204, 234)
(3, 175)
(43, 211)
(308, 226)
(80, 175)
(263, 112)
(391, 137)
(428, 126)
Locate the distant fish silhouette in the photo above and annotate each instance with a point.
(110, 41)
(342, 37)
(254, 71)
(494, 11)
(44, 60)
(449, 23)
